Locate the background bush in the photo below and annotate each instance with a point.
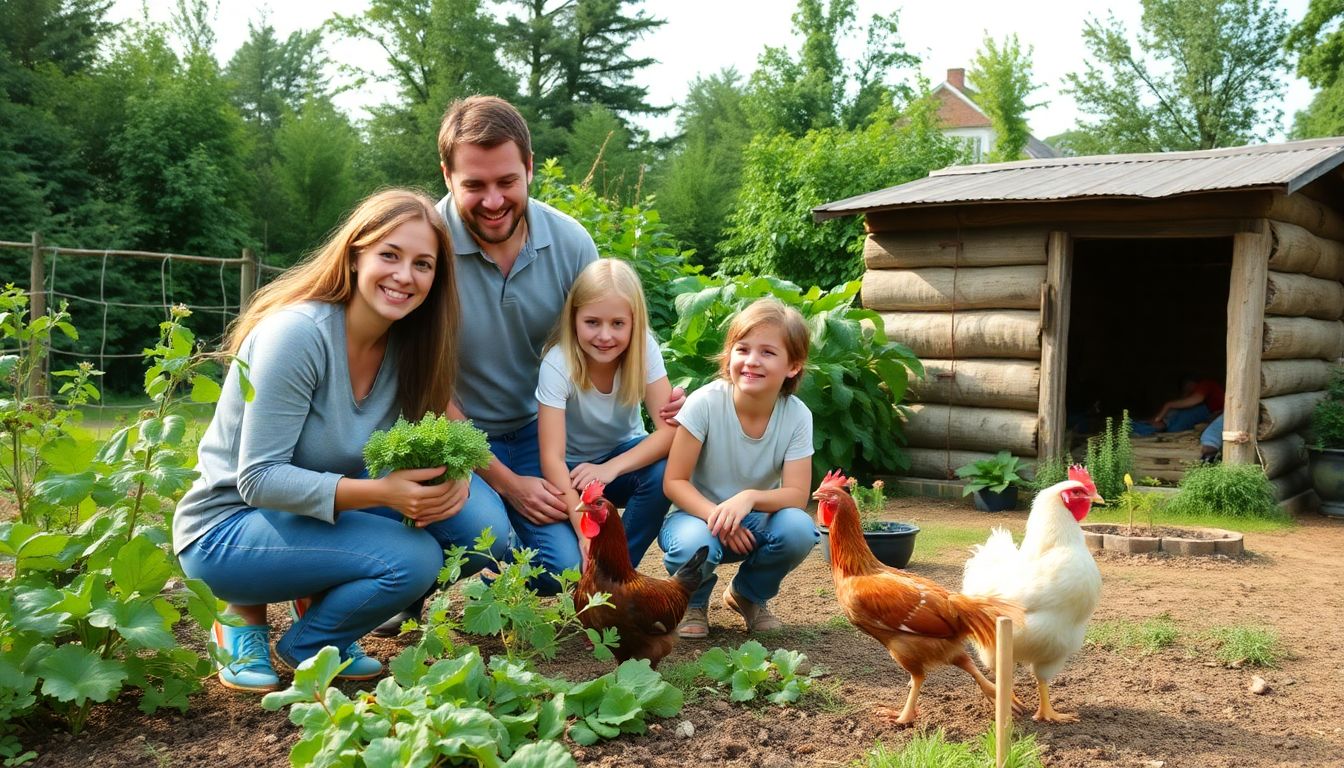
(1234, 490)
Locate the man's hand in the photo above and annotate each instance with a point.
(536, 499)
(668, 412)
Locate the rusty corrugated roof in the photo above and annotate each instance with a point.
(1288, 166)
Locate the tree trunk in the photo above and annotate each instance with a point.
(1011, 334)
(972, 429)
(1287, 377)
(1283, 415)
(981, 383)
(1281, 456)
(931, 288)
(1293, 295)
(1289, 338)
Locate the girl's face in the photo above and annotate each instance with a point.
(759, 362)
(603, 329)
(393, 276)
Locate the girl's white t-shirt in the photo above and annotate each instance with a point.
(595, 423)
(731, 461)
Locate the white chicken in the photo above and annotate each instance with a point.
(1052, 576)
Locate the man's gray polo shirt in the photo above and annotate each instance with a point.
(506, 321)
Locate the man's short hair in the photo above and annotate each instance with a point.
(485, 121)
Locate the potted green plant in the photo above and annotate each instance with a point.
(892, 543)
(992, 482)
(1326, 452)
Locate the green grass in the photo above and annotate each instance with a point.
(1247, 645)
(934, 540)
(1147, 636)
(682, 675)
(1116, 516)
(930, 750)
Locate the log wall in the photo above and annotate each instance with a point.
(969, 305)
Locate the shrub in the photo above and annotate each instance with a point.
(1050, 470)
(1231, 490)
(1110, 457)
(854, 380)
(1327, 420)
(870, 502)
(994, 474)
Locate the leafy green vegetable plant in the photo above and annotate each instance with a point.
(854, 380)
(1110, 456)
(84, 614)
(994, 474)
(431, 442)
(618, 701)
(751, 670)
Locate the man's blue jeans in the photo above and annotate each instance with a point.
(365, 567)
(783, 540)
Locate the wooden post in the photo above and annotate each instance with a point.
(247, 279)
(1003, 691)
(1245, 337)
(1054, 345)
(37, 307)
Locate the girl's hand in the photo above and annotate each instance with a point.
(739, 540)
(586, 473)
(727, 517)
(425, 504)
(669, 411)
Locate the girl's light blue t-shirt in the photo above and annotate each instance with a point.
(730, 461)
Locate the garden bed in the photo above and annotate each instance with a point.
(1178, 705)
(1181, 542)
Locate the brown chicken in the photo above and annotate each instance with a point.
(920, 623)
(643, 609)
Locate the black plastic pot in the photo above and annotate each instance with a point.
(893, 545)
(990, 501)
(1327, 477)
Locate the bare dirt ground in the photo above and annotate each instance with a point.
(1171, 709)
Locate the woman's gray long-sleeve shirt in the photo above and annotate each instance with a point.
(302, 432)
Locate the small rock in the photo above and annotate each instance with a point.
(719, 705)
(580, 754)
(1289, 681)
(1290, 745)
(1156, 763)
(1258, 686)
(271, 738)
(762, 736)
(685, 729)
(655, 728)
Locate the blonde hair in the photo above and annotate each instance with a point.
(426, 339)
(774, 313)
(603, 279)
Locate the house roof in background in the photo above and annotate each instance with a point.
(1288, 167)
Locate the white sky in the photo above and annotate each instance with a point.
(704, 36)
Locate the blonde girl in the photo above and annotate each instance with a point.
(363, 330)
(739, 469)
(602, 363)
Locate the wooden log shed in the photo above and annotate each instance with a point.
(982, 269)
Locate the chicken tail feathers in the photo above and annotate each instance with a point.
(690, 574)
(980, 615)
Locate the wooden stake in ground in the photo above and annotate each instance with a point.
(1003, 691)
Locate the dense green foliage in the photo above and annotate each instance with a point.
(854, 380)
(1230, 490)
(1327, 419)
(1002, 77)
(929, 749)
(1110, 457)
(1201, 74)
(994, 474)
(84, 615)
(784, 177)
(433, 441)
(750, 670)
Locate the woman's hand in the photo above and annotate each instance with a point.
(586, 473)
(425, 504)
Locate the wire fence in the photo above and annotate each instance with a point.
(119, 286)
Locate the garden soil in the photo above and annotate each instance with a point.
(1175, 708)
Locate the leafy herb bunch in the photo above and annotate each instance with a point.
(431, 442)
(869, 502)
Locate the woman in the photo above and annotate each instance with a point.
(334, 349)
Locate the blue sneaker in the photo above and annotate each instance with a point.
(249, 649)
(362, 666)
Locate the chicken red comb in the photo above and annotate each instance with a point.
(593, 491)
(1079, 473)
(834, 479)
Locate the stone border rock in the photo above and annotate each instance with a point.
(1227, 543)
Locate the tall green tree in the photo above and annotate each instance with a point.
(1205, 73)
(603, 153)
(698, 180)
(314, 170)
(798, 92)
(438, 51)
(1318, 43)
(1003, 82)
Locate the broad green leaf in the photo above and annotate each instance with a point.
(65, 490)
(715, 663)
(204, 389)
(744, 687)
(582, 735)
(551, 719)
(67, 455)
(664, 700)
(618, 705)
(141, 567)
(115, 448)
(142, 625)
(174, 429)
(601, 728)
(541, 754)
(74, 674)
(895, 376)
(37, 609)
(42, 552)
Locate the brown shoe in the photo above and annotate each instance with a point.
(694, 625)
(758, 617)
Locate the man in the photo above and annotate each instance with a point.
(515, 260)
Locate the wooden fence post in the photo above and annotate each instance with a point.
(1003, 690)
(37, 307)
(247, 282)
(1245, 340)
(1056, 299)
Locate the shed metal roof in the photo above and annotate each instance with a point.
(1288, 166)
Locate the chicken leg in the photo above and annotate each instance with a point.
(1045, 713)
(906, 715)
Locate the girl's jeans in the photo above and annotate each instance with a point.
(365, 567)
(783, 539)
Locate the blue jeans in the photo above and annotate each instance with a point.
(556, 545)
(366, 567)
(1212, 435)
(1181, 419)
(783, 540)
(640, 493)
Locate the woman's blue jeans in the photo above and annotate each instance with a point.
(364, 568)
(783, 540)
(556, 544)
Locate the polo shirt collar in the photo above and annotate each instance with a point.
(538, 228)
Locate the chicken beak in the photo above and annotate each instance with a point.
(1096, 499)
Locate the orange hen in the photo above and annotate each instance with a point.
(921, 624)
(644, 610)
